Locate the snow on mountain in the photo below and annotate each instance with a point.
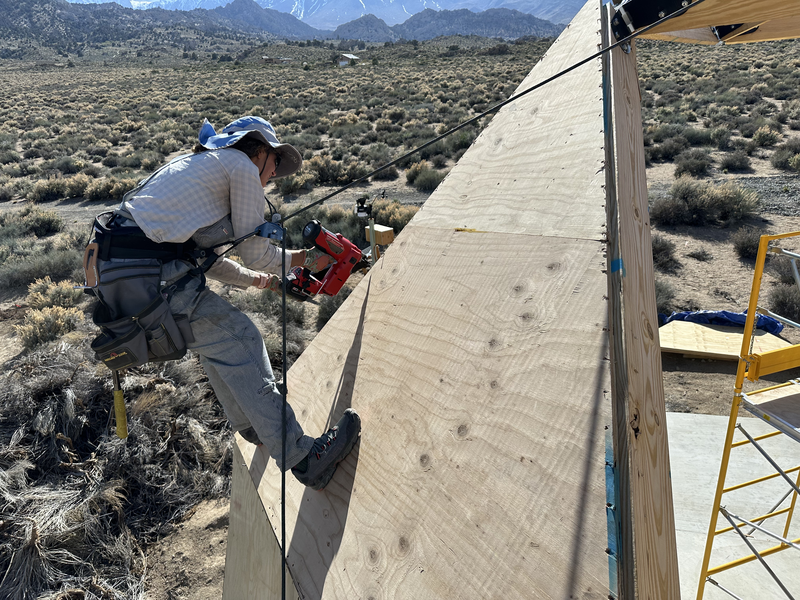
(329, 14)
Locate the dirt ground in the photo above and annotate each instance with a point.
(189, 563)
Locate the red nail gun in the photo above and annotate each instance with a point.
(302, 284)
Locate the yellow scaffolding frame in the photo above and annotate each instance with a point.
(752, 366)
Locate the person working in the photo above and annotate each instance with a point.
(211, 197)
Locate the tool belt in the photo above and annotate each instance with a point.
(132, 309)
(116, 241)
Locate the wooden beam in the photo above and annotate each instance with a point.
(623, 515)
(780, 29)
(651, 491)
(702, 36)
(714, 13)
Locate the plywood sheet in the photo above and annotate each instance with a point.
(476, 353)
(713, 341)
(253, 561)
(783, 402)
(520, 174)
(482, 387)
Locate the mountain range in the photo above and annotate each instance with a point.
(329, 14)
(56, 22)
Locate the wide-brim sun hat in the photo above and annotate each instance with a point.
(291, 161)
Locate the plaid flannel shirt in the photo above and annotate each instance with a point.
(197, 190)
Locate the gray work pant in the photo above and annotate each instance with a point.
(235, 359)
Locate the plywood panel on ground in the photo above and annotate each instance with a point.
(478, 362)
(713, 341)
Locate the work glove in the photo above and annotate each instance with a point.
(267, 281)
(316, 260)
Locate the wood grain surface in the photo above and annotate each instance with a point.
(713, 341)
(730, 12)
(482, 386)
(651, 491)
(478, 362)
(780, 29)
(252, 563)
(539, 168)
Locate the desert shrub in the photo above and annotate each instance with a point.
(352, 171)
(108, 188)
(698, 137)
(781, 267)
(378, 154)
(700, 254)
(68, 165)
(745, 242)
(47, 190)
(663, 132)
(669, 149)
(428, 180)
(794, 162)
(783, 155)
(328, 305)
(6, 192)
(47, 324)
(461, 140)
(270, 303)
(43, 293)
(58, 263)
(328, 171)
(690, 202)
(439, 161)
(766, 137)
(389, 174)
(664, 254)
(29, 221)
(665, 296)
(75, 186)
(735, 162)
(9, 156)
(721, 137)
(294, 183)
(414, 170)
(393, 214)
(785, 301)
(694, 162)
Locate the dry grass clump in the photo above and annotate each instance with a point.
(43, 293)
(47, 324)
(784, 300)
(29, 250)
(745, 242)
(78, 504)
(664, 258)
(690, 202)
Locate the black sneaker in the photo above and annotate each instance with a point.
(316, 470)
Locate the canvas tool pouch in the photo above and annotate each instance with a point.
(152, 335)
(133, 314)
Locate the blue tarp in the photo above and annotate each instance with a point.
(723, 317)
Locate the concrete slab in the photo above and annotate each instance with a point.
(695, 444)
